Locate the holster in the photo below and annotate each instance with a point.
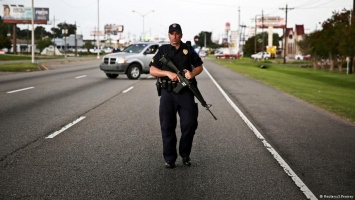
(158, 85)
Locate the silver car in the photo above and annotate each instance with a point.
(133, 60)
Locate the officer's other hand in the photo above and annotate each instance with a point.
(188, 74)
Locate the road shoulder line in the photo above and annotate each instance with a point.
(299, 183)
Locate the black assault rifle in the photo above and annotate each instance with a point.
(185, 83)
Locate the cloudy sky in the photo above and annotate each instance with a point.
(193, 15)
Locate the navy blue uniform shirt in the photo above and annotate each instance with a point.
(180, 57)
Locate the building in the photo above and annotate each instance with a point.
(69, 42)
(292, 37)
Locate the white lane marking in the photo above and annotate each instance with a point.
(306, 191)
(128, 90)
(65, 128)
(19, 90)
(81, 76)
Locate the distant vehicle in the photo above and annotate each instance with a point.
(299, 57)
(202, 53)
(307, 57)
(261, 55)
(115, 50)
(227, 53)
(302, 57)
(133, 60)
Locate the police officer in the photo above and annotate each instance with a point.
(171, 103)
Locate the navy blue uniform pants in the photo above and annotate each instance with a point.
(172, 104)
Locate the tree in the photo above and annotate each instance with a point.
(5, 41)
(88, 45)
(335, 41)
(249, 47)
(200, 40)
(70, 27)
(42, 44)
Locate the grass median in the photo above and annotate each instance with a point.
(331, 91)
(20, 66)
(22, 63)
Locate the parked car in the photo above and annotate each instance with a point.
(307, 57)
(133, 60)
(299, 57)
(227, 53)
(261, 55)
(227, 56)
(302, 57)
(202, 53)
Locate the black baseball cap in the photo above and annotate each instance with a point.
(175, 27)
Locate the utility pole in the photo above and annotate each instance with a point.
(55, 45)
(76, 42)
(285, 30)
(98, 29)
(238, 31)
(33, 33)
(352, 24)
(262, 32)
(255, 34)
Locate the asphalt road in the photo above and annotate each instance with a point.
(107, 144)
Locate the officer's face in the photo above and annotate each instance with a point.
(175, 38)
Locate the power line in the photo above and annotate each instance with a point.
(310, 4)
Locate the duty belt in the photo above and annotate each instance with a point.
(167, 84)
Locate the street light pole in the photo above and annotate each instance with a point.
(143, 20)
(33, 34)
(98, 29)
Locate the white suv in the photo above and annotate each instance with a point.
(133, 60)
(261, 55)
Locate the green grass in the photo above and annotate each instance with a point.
(26, 65)
(11, 57)
(332, 91)
(19, 67)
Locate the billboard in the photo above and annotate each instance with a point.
(23, 15)
(273, 21)
(113, 29)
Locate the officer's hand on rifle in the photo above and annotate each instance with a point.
(173, 76)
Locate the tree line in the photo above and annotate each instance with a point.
(334, 43)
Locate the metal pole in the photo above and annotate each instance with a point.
(14, 39)
(54, 34)
(255, 35)
(285, 37)
(76, 42)
(285, 32)
(352, 53)
(262, 32)
(205, 39)
(98, 29)
(142, 39)
(143, 29)
(33, 34)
